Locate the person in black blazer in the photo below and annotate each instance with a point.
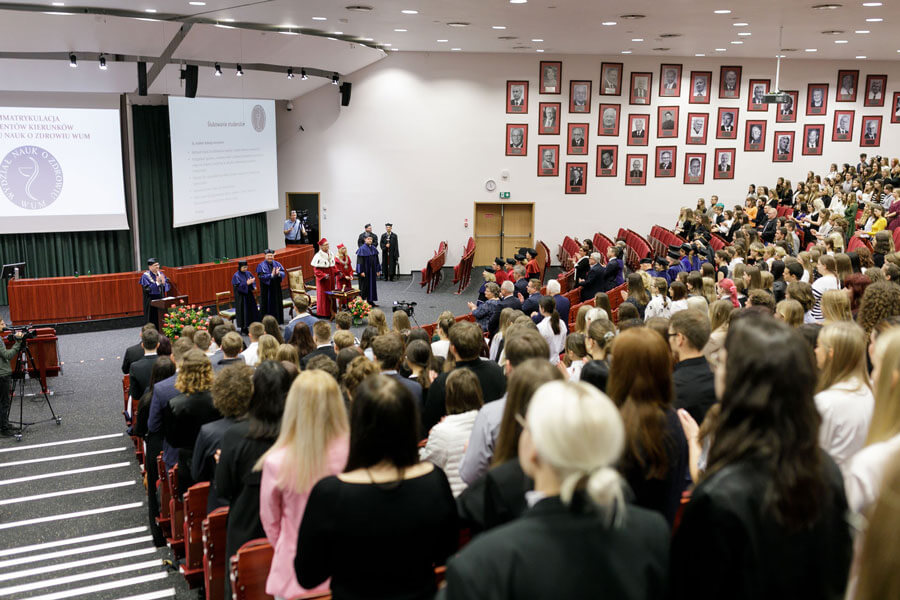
(582, 266)
(139, 370)
(767, 234)
(388, 351)
(136, 352)
(324, 347)
(532, 298)
(579, 540)
(593, 281)
(508, 298)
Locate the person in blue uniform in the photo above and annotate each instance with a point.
(685, 258)
(369, 270)
(244, 284)
(155, 286)
(675, 266)
(270, 272)
(660, 268)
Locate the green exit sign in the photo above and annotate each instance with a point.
(504, 195)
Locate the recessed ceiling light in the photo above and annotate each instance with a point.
(498, 27)
(150, 10)
(367, 39)
(458, 24)
(840, 41)
(608, 23)
(288, 33)
(722, 11)
(148, 19)
(58, 3)
(637, 39)
(227, 20)
(539, 50)
(700, 54)
(779, 56)
(736, 42)
(443, 41)
(197, 3)
(395, 49)
(871, 3)
(458, 49)
(400, 30)
(409, 12)
(319, 18)
(721, 49)
(862, 31)
(861, 57)
(537, 40)
(220, 26)
(518, 1)
(739, 24)
(874, 20)
(626, 51)
(811, 50)
(288, 26)
(333, 39)
(337, 33)
(745, 33)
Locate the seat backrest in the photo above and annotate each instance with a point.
(195, 499)
(215, 527)
(295, 280)
(250, 569)
(896, 235)
(615, 296)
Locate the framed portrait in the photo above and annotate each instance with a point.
(847, 82)
(607, 161)
(516, 139)
(876, 90)
(787, 112)
(843, 126)
(758, 88)
(577, 138)
(729, 82)
(755, 136)
(580, 97)
(549, 115)
(726, 123)
(812, 140)
(609, 119)
(895, 108)
(700, 82)
(870, 135)
(665, 161)
(724, 166)
(637, 130)
(576, 180)
(640, 88)
(516, 97)
(816, 99)
(636, 164)
(548, 160)
(697, 124)
(669, 81)
(783, 146)
(611, 78)
(550, 77)
(694, 167)
(667, 121)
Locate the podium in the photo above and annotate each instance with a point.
(162, 306)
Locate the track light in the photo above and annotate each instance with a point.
(73, 60)
(240, 71)
(303, 75)
(218, 70)
(290, 73)
(334, 79)
(102, 63)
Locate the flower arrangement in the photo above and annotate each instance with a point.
(183, 315)
(359, 308)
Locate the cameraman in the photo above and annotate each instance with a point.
(5, 372)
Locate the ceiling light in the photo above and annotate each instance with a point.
(197, 3)
(699, 55)
(58, 3)
(303, 75)
(220, 26)
(811, 50)
(608, 23)
(498, 27)
(861, 57)
(368, 39)
(400, 30)
(102, 63)
(537, 40)
(337, 33)
(409, 12)
(458, 24)
(239, 72)
(722, 11)
(518, 1)
(227, 20)
(862, 31)
(288, 33)
(737, 42)
(721, 49)
(626, 51)
(439, 41)
(874, 20)
(388, 45)
(460, 49)
(740, 24)
(871, 4)
(333, 39)
(290, 73)
(150, 10)
(637, 39)
(779, 56)
(218, 72)
(745, 33)
(319, 19)
(539, 50)
(73, 61)
(840, 41)
(334, 79)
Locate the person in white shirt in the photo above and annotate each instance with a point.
(251, 354)
(577, 354)
(442, 346)
(844, 399)
(828, 281)
(660, 305)
(552, 328)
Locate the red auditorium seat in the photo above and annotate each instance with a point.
(896, 235)
(856, 241)
(249, 569)
(716, 242)
(164, 520)
(194, 514)
(176, 512)
(214, 531)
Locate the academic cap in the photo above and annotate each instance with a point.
(520, 257)
(323, 241)
(151, 262)
(661, 260)
(674, 254)
(510, 261)
(269, 251)
(674, 247)
(367, 225)
(646, 261)
(686, 247)
(499, 261)
(388, 224)
(490, 269)
(242, 263)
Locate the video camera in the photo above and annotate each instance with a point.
(408, 307)
(27, 332)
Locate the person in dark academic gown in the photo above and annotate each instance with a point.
(368, 269)
(155, 286)
(270, 272)
(367, 231)
(323, 267)
(244, 285)
(390, 252)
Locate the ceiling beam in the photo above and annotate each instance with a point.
(160, 63)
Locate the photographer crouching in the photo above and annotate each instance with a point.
(6, 355)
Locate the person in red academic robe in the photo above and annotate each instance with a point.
(323, 267)
(499, 271)
(343, 268)
(532, 271)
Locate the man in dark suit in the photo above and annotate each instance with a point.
(507, 296)
(727, 122)
(578, 137)
(367, 232)
(390, 252)
(520, 282)
(767, 234)
(531, 302)
(724, 166)
(665, 160)
(871, 130)
(322, 336)
(593, 281)
(693, 379)
(575, 177)
(139, 372)
(388, 350)
(668, 121)
(136, 352)
(638, 132)
(637, 168)
(232, 344)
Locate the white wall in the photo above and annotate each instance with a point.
(424, 131)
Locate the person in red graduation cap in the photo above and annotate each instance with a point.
(323, 266)
(343, 267)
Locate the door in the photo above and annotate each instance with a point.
(307, 207)
(501, 229)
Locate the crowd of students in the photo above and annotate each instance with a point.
(719, 438)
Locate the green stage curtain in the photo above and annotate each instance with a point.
(189, 245)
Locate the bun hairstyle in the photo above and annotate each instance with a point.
(578, 432)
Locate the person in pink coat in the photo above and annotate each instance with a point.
(313, 443)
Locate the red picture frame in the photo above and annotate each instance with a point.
(669, 87)
(607, 153)
(871, 98)
(576, 185)
(729, 82)
(634, 137)
(549, 168)
(640, 89)
(611, 86)
(515, 147)
(606, 110)
(692, 135)
(816, 99)
(787, 113)
(753, 143)
(550, 77)
(667, 122)
(663, 168)
(895, 108)
(842, 129)
(635, 176)
(756, 88)
(577, 145)
(725, 171)
(548, 118)
(691, 175)
(700, 91)
(864, 140)
(845, 91)
(577, 103)
(781, 152)
(517, 97)
(727, 131)
(815, 135)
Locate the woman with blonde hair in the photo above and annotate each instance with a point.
(836, 306)
(843, 267)
(805, 259)
(267, 348)
(496, 341)
(844, 395)
(400, 321)
(581, 318)
(878, 576)
(313, 443)
(790, 311)
(288, 353)
(378, 320)
(720, 312)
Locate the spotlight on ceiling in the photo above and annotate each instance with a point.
(334, 79)
(290, 74)
(303, 75)
(73, 61)
(240, 71)
(218, 70)
(102, 63)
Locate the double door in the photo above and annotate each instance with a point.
(501, 229)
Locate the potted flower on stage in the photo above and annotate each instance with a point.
(360, 309)
(179, 317)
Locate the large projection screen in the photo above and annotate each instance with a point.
(61, 170)
(224, 158)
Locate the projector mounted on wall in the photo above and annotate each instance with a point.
(776, 98)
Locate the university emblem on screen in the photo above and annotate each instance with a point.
(258, 118)
(31, 177)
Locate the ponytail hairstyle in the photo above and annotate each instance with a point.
(577, 432)
(548, 305)
(728, 286)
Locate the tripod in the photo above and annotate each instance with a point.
(25, 361)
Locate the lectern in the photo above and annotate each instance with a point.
(162, 306)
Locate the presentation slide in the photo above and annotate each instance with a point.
(60, 170)
(224, 158)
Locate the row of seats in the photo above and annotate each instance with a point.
(661, 238)
(462, 273)
(431, 274)
(615, 299)
(636, 248)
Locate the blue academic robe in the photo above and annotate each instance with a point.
(673, 272)
(245, 308)
(368, 267)
(663, 274)
(270, 289)
(686, 264)
(152, 291)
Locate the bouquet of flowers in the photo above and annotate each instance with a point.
(182, 316)
(359, 308)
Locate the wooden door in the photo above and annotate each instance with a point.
(518, 227)
(488, 233)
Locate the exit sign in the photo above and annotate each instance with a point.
(504, 195)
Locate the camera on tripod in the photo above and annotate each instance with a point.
(408, 307)
(27, 332)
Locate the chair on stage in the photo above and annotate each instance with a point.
(297, 285)
(225, 305)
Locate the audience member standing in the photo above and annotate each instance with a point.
(294, 231)
(323, 267)
(552, 329)
(270, 272)
(390, 252)
(826, 281)
(132, 353)
(139, 371)
(695, 389)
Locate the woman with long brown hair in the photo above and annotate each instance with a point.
(637, 293)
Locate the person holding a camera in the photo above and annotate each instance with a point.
(294, 231)
(6, 355)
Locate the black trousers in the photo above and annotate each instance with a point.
(389, 266)
(5, 401)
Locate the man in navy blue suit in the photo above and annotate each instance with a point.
(388, 350)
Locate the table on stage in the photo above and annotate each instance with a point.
(340, 298)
